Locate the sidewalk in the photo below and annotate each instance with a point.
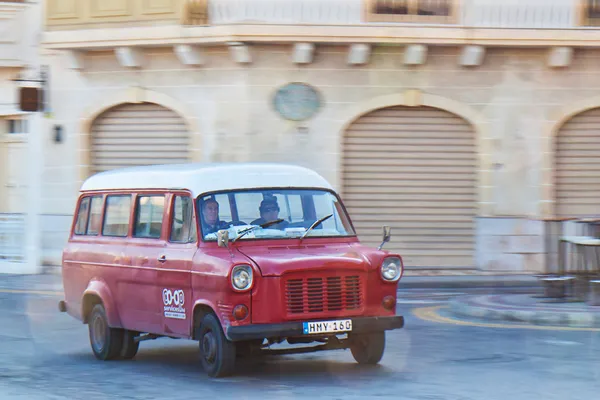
(527, 308)
(52, 281)
(40, 283)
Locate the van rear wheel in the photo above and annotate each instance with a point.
(217, 354)
(368, 348)
(106, 342)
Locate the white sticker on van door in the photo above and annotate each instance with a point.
(174, 301)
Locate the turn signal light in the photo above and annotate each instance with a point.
(240, 312)
(389, 302)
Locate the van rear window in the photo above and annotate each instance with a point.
(89, 216)
(116, 219)
(82, 216)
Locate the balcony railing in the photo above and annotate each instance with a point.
(549, 14)
(560, 14)
(533, 14)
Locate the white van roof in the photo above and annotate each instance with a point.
(201, 178)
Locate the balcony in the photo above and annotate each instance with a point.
(484, 22)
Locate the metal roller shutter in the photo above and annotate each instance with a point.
(138, 134)
(578, 166)
(415, 170)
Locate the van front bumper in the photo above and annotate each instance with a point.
(295, 329)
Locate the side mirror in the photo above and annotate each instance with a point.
(223, 238)
(387, 235)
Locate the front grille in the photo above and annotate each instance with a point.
(316, 295)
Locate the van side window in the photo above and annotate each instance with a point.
(95, 216)
(149, 216)
(183, 227)
(82, 216)
(116, 218)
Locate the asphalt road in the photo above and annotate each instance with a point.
(45, 355)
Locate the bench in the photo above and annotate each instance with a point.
(573, 278)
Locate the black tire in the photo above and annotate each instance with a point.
(106, 342)
(368, 348)
(217, 354)
(130, 346)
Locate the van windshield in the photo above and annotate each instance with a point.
(298, 209)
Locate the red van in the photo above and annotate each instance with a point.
(244, 258)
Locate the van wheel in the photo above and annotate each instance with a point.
(217, 354)
(106, 342)
(368, 348)
(130, 346)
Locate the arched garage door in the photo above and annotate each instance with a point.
(415, 170)
(138, 134)
(578, 166)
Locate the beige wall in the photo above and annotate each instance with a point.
(517, 96)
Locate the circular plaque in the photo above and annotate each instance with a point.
(297, 101)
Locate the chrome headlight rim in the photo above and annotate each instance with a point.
(236, 272)
(387, 262)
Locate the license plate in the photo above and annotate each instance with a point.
(312, 328)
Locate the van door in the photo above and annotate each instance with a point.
(176, 266)
(145, 248)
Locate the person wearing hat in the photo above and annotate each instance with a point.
(210, 217)
(269, 211)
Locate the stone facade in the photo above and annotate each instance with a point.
(516, 97)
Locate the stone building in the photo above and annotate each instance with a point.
(20, 31)
(462, 124)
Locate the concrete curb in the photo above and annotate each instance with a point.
(450, 282)
(464, 307)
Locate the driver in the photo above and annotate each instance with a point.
(210, 217)
(269, 211)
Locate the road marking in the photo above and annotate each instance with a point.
(430, 314)
(562, 342)
(25, 291)
(419, 301)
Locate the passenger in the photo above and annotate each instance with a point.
(210, 217)
(269, 211)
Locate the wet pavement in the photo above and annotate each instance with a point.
(45, 354)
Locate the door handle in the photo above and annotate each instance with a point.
(162, 258)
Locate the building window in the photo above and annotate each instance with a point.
(423, 11)
(17, 126)
(589, 11)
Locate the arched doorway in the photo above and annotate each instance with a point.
(577, 166)
(135, 134)
(415, 169)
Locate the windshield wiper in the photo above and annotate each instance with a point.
(265, 225)
(317, 222)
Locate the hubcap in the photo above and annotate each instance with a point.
(209, 347)
(98, 333)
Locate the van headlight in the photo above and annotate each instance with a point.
(391, 269)
(242, 277)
